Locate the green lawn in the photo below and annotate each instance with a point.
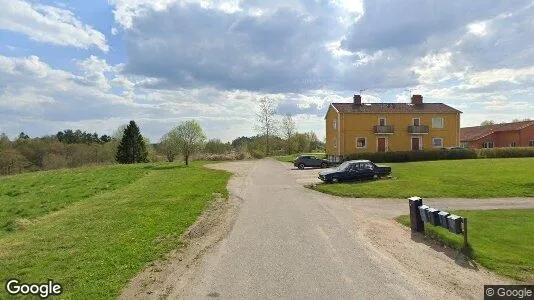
(290, 158)
(93, 229)
(479, 178)
(500, 240)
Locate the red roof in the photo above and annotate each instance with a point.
(394, 108)
(475, 133)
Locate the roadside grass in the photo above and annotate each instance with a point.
(95, 245)
(292, 157)
(500, 240)
(477, 178)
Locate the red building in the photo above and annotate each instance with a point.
(517, 134)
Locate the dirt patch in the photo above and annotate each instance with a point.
(174, 272)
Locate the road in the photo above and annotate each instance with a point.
(292, 242)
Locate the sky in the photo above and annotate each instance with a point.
(95, 65)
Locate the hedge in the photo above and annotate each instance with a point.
(506, 152)
(442, 154)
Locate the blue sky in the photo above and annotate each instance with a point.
(94, 65)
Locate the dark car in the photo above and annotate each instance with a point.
(310, 161)
(354, 170)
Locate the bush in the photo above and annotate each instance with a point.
(407, 156)
(506, 152)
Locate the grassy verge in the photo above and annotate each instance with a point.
(96, 242)
(292, 157)
(500, 240)
(483, 178)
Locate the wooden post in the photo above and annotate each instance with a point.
(465, 232)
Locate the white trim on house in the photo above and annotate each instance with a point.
(442, 122)
(413, 121)
(434, 144)
(365, 142)
(420, 142)
(386, 144)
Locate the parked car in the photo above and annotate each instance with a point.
(310, 161)
(354, 170)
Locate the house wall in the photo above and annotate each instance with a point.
(506, 138)
(526, 135)
(362, 125)
(331, 133)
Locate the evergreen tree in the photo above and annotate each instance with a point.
(132, 147)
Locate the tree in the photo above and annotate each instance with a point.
(266, 121)
(288, 131)
(132, 148)
(23, 136)
(189, 137)
(487, 122)
(215, 146)
(169, 146)
(4, 141)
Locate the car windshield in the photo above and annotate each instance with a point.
(343, 166)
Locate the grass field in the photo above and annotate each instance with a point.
(500, 240)
(292, 157)
(93, 229)
(480, 178)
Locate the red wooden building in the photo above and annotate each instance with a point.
(517, 134)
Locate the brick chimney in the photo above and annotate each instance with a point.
(357, 100)
(417, 99)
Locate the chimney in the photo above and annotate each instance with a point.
(357, 100)
(417, 99)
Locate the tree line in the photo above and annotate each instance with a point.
(74, 148)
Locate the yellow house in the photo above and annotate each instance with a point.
(379, 127)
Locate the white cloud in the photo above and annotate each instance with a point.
(49, 24)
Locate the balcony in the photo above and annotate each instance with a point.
(421, 129)
(386, 129)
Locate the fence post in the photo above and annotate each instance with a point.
(416, 221)
(465, 232)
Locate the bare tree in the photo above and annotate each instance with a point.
(288, 128)
(266, 121)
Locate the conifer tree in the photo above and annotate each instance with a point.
(132, 147)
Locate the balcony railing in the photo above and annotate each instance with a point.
(421, 129)
(386, 129)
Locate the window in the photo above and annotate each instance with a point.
(335, 143)
(487, 145)
(382, 121)
(437, 142)
(416, 121)
(437, 122)
(531, 143)
(464, 144)
(361, 142)
(513, 144)
(335, 124)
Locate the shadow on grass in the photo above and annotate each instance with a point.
(462, 257)
(163, 167)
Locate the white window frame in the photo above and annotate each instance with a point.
(413, 121)
(531, 143)
(335, 124)
(385, 121)
(442, 122)
(365, 139)
(513, 144)
(434, 144)
(420, 142)
(486, 145)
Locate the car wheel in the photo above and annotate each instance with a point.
(301, 166)
(335, 180)
(323, 165)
